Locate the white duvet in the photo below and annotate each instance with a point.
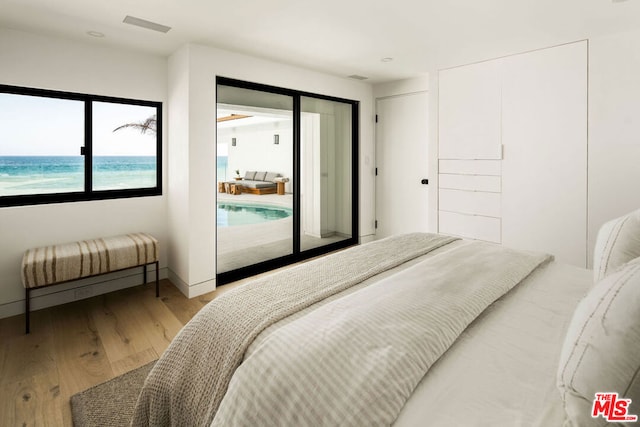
(355, 361)
(502, 369)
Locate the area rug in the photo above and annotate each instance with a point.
(110, 403)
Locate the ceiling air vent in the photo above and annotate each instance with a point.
(145, 24)
(357, 77)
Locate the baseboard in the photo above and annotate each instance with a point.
(178, 283)
(202, 288)
(80, 289)
(367, 238)
(193, 290)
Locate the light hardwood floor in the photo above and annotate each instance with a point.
(74, 346)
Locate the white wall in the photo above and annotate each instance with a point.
(203, 64)
(50, 63)
(614, 129)
(256, 151)
(401, 87)
(178, 167)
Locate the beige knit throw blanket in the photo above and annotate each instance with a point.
(187, 384)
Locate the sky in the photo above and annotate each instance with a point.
(38, 126)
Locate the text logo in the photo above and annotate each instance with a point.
(612, 408)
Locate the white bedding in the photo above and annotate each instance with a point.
(502, 370)
(356, 360)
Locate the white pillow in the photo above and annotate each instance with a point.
(271, 176)
(618, 242)
(601, 351)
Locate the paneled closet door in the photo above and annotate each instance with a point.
(469, 112)
(544, 169)
(469, 151)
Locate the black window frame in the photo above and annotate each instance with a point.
(88, 194)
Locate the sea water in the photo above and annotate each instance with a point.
(62, 174)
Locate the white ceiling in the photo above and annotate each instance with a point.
(341, 37)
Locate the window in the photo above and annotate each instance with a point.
(60, 147)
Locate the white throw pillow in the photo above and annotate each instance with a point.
(601, 351)
(618, 242)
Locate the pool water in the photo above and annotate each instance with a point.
(238, 214)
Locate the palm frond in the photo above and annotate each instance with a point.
(148, 125)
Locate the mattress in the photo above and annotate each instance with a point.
(502, 370)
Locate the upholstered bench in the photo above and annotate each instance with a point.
(56, 264)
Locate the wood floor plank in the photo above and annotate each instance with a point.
(181, 307)
(118, 326)
(81, 344)
(134, 361)
(25, 355)
(161, 324)
(81, 358)
(32, 401)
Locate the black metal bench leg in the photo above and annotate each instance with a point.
(26, 308)
(157, 279)
(144, 274)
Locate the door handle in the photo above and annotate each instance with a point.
(425, 182)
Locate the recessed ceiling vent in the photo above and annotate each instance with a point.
(358, 77)
(145, 24)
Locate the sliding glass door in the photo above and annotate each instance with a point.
(255, 156)
(326, 165)
(286, 177)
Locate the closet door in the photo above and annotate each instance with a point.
(544, 169)
(469, 151)
(469, 112)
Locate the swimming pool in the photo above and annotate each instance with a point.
(230, 214)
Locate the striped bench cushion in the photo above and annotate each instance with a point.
(60, 263)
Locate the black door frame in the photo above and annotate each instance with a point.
(298, 254)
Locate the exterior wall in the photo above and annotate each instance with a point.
(57, 64)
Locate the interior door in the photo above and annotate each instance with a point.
(544, 170)
(402, 194)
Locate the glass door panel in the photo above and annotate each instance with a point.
(326, 172)
(255, 152)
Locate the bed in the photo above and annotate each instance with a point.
(413, 330)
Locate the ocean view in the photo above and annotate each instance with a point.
(56, 174)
